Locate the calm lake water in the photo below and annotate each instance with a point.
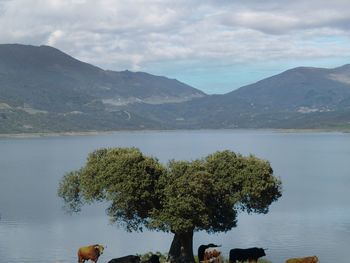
(312, 217)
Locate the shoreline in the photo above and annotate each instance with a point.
(53, 134)
(92, 133)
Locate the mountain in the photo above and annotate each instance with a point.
(302, 97)
(300, 89)
(44, 89)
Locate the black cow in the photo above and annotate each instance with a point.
(250, 254)
(126, 259)
(202, 248)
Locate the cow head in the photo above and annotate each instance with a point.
(99, 248)
(216, 253)
(315, 258)
(261, 252)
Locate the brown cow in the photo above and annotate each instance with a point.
(212, 255)
(90, 253)
(313, 259)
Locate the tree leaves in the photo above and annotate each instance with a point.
(183, 196)
(69, 190)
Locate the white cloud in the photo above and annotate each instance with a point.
(54, 37)
(136, 34)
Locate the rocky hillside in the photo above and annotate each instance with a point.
(297, 98)
(44, 89)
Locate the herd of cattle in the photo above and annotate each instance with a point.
(206, 254)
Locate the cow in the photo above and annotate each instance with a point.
(312, 259)
(91, 252)
(202, 248)
(249, 254)
(212, 255)
(126, 259)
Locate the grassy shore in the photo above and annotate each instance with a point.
(163, 257)
(53, 134)
(93, 133)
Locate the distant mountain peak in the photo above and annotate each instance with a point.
(341, 74)
(42, 75)
(345, 67)
(304, 70)
(45, 89)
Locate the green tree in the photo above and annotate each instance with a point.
(181, 197)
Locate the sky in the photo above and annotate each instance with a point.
(213, 45)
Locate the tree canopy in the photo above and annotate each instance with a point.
(180, 197)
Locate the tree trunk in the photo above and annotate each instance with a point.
(181, 249)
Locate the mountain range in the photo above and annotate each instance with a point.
(45, 90)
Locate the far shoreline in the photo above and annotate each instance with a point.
(94, 133)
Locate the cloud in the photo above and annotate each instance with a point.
(54, 37)
(144, 35)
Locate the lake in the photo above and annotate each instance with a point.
(311, 218)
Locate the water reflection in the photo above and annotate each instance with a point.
(312, 217)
